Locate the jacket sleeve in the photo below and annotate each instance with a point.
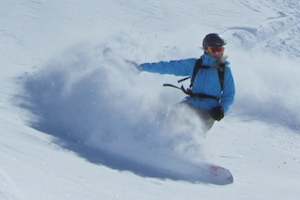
(229, 90)
(176, 67)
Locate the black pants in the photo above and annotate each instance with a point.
(203, 115)
(186, 114)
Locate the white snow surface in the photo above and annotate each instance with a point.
(78, 121)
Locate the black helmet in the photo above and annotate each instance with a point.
(213, 39)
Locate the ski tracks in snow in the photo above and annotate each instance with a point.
(266, 33)
(8, 190)
(273, 32)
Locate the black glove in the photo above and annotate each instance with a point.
(217, 113)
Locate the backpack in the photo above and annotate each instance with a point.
(197, 67)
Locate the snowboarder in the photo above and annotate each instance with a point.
(212, 87)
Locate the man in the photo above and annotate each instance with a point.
(212, 87)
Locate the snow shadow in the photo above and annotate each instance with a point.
(102, 108)
(99, 106)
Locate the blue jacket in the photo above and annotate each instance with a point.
(206, 80)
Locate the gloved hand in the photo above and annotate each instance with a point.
(217, 113)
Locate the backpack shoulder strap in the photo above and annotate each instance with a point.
(195, 71)
(221, 73)
(198, 65)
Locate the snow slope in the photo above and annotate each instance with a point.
(80, 122)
